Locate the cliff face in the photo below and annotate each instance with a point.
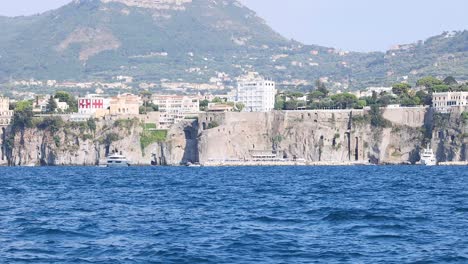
(3, 150)
(316, 136)
(450, 137)
(77, 144)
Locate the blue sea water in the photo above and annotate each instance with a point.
(234, 215)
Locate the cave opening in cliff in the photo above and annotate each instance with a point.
(356, 154)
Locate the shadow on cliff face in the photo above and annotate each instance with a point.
(415, 155)
(3, 144)
(441, 155)
(463, 152)
(428, 125)
(47, 158)
(191, 141)
(373, 158)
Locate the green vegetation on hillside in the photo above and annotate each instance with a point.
(403, 94)
(102, 42)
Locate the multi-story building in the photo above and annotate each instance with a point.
(93, 104)
(256, 93)
(5, 113)
(445, 102)
(175, 108)
(177, 103)
(125, 104)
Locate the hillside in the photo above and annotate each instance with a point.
(192, 41)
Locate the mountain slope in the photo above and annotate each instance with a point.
(192, 41)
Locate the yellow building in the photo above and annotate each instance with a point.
(125, 104)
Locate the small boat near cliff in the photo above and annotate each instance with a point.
(116, 160)
(190, 164)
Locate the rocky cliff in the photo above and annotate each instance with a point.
(316, 136)
(391, 136)
(54, 142)
(450, 136)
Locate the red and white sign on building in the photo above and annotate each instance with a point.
(91, 103)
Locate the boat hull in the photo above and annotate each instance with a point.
(428, 162)
(122, 164)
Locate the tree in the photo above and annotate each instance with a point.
(146, 96)
(279, 102)
(429, 82)
(23, 115)
(51, 106)
(321, 87)
(344, 100)
(450, 80)
(377, 119)
(315, 95)
(91, 124)
(424, 97)
(360, 104)
(385, 100)
(291, 105)
(150, 107)
(217, 100)
(401, 88)
(240, 107)
(204, 104)
(295, 95)
(440, 88)
(69, 99)
(410, 101)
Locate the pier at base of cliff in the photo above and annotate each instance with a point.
(252, 163)
(454, 163)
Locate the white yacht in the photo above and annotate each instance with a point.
(428, 158)
(116, 160)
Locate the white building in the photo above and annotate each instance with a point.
(444, 102)
(256, 93)
(177, 103)
(92, 104)
(378, 90)
(41, 105)
(175, 108)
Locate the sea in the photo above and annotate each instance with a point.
(367, 214)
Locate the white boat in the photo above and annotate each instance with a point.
(116, 160)
(196, 164)
(428, 158)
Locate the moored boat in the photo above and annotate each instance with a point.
(428, 158)
(190, 164)
(116, 160)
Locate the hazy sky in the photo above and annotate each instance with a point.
(361, 25)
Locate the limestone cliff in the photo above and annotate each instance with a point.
(395, 137)
(450, 136)
(316, 136)
(79, 144)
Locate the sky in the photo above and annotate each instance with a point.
(357, 25)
